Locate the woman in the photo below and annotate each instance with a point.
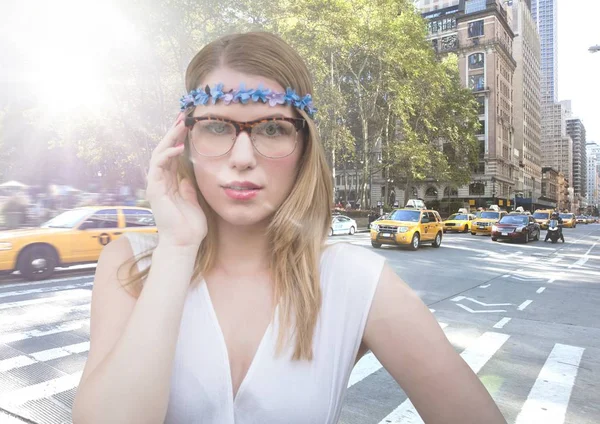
(244, 315)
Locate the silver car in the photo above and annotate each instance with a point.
(341, 224)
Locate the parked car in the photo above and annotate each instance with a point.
(516, 227)
(76, 236)
(341, 224)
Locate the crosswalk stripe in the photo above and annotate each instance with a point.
(22, 335)
(75, 293)
(41, 390)
(44, 282)
(369, 364)
(45, 289)
(549, 397)
(48, 313)
(43, 355)
(476, 356)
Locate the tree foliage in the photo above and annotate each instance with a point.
(386, 103)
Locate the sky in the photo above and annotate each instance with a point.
(578, 69)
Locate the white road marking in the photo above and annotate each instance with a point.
(44, 283)
(525, 304)
(485, 311)
(432, 310)
(49, 313)
(458, 298)
(506, 276)
(42, 390)
(485, 286)
(44, 290)
(70, 295)
(43, 355)
(486, 304)
(540, 290)
(583, 259)
(552, 280)
(22, 335)
(369, 364)
(549, 397)
(502, 323)
(476, 356)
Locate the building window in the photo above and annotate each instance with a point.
(448, 192)
(477, 82)
(481, 129)
(476, 189)
(481, 105)
(476, 61)
(431, 192)
(475, 29)
(472, 6)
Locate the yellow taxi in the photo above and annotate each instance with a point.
(483, 224)
(569, 220)
(459, 222)
(542, 216)
(408, 227)
(74, 237)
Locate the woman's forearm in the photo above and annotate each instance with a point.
(132, 383)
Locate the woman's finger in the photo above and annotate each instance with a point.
(174, 136)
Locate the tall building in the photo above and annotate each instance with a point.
(557, 146)
(576, 130)
(593, 174)
(526, 104)
(480, 33)
(544, 13)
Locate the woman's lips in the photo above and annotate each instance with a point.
(239, 193)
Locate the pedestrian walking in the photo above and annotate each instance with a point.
(238, 311)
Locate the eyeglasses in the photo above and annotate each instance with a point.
(271, 137)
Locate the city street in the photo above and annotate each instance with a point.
(524, 317)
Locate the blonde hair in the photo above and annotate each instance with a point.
(298, 228)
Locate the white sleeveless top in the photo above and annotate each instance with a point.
(275, 389)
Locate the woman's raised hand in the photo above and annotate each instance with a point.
(180, 220)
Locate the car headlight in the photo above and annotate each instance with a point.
(374, 227)
(494, 228)
(6, 246)
(520, 229)
(402, 229)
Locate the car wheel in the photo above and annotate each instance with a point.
(438, 240)
(37, 262)
(494, 238)
(352, 231)
(526, 238)
(330, 232)
(473, 234)
(416, 240)
(466, 230)
(376, 245)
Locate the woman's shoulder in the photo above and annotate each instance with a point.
(351, 265)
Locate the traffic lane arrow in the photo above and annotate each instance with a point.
(459, 298)
(489, 311)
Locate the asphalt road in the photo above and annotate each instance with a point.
(524, 317)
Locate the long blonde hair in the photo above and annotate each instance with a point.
(298, 228)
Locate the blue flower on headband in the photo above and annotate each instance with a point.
(291, 96)
(260, 94)
(216, 93)
(276, 99)
(186, 101)
(242, 95)
(305, 102)
(201, 97)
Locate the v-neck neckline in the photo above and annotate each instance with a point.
(253, 364)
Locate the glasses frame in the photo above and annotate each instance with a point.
(299, 124)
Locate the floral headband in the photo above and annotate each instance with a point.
(201, 97)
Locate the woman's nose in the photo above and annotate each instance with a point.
(243, 154)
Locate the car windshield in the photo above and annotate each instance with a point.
(541, 215)
(490, 215)
(458, 217)
(514, 219)
(566, 215)
(66, 219)
(405, 215)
